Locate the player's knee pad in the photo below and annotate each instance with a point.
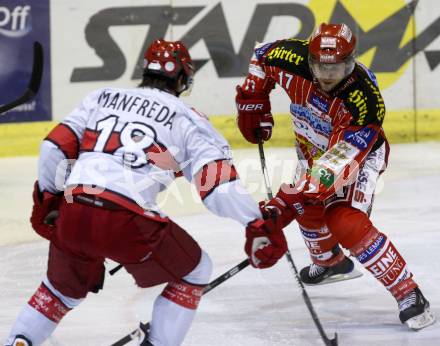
(350, 226)
(323, 246)
(201, 274)
(312, 218)
(68, 301)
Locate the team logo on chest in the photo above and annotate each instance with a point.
(320, 103)
(310, 125)
(319, 121)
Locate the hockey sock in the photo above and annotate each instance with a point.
(33, 325)
(380, 257)
(41, 315)
(175, 308)
(172, 318)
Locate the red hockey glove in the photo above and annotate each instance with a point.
(254, 118)
(285, 206)
(265, 243)
(44, 211)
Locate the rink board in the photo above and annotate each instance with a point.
(254, 308)
(24, 139)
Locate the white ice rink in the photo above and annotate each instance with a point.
(254, 308)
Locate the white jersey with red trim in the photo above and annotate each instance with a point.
(132, 143)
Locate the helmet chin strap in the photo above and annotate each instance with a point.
(186, 88)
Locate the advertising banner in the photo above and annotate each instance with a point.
(397, 39)
(21, 23)
(95, 44)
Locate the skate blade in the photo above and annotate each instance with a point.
(421, 321)
(338, 277)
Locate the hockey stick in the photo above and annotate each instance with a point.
(213, 284)
(327, 341)
(34, 83)
(115, 269)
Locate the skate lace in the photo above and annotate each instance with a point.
(408, 301)
(316, 270)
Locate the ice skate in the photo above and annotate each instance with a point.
(142, 334)
(21, 340)
(414, 311)
(317, 275)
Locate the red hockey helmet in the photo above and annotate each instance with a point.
(331, 52)
(169, 59)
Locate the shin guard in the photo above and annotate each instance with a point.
(175, 308)
(40, 316)
(380, 257)
(173, 313)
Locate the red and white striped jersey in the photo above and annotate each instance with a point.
(334, 131)
(130, 144)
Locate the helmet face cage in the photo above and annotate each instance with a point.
(331, 71)
(170, 59)
(331, 51)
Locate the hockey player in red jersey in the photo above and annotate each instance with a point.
(128, 145)
(337, 112)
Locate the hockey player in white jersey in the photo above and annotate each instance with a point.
(128, 145)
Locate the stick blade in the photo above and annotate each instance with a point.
(334, 341)
(34, 83)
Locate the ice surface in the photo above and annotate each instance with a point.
(254, 308)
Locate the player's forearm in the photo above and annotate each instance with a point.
(339, 164)
(57, 153)
(233, 201)
(257, 82)
(52, 168)
(223, 193)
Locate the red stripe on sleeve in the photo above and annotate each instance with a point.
(214, 174)
(160, 156)
(65, 139)
(89, 140)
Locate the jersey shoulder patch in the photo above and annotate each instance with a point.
(261, 48)
(370, 74)
(363, 98)
(291, 55)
